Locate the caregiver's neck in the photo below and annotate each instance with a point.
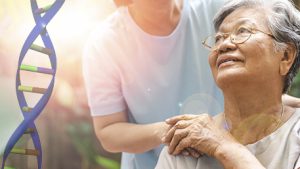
(156, 17)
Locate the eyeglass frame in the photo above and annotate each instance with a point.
(251, 29)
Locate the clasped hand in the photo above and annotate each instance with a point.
(195, 135)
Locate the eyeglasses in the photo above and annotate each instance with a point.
(238, 36)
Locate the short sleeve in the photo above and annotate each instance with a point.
(101, 75)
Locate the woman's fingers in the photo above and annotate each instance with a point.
(191, 152)
(194, 153)
(178, 136)
(197, 135)
(185, 152)
(179, 125)
(168, 137)
(182, 124)
(291, 101)
(175, 119)
(183, 144)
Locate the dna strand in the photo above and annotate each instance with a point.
(42, 17)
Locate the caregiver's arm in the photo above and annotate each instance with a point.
(117, 135)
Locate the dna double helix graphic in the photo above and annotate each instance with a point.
(42, 17)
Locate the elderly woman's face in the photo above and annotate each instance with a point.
(253, 60)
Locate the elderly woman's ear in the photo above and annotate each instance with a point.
(287, 59)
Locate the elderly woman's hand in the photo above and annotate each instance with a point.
(199, 132)
(171, 122)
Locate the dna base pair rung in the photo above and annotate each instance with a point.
(42, 17)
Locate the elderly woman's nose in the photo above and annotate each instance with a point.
(226, 45)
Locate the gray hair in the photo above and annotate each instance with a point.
(283, 20)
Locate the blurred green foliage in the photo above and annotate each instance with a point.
(9, 168)
(107, 163)
(81, 134)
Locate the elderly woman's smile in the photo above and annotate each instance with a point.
(227, 60)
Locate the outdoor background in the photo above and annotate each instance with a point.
(65, 126)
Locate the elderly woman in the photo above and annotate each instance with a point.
(254, 57)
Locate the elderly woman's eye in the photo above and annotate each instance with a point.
(217, 38)
(243, 30)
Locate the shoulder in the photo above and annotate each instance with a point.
(296, 117)
(107, 31)
(173, 162)
(207, 6)
(104, 39)
(294, 141)
(202, 12)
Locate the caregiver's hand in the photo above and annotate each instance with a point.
(199, 132)
(291, 101)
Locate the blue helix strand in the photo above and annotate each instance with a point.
(32, 113)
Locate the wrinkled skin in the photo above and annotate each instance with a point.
(198, 132)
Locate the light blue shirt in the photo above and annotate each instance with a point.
(152, 77)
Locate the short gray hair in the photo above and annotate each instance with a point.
(283, 21)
